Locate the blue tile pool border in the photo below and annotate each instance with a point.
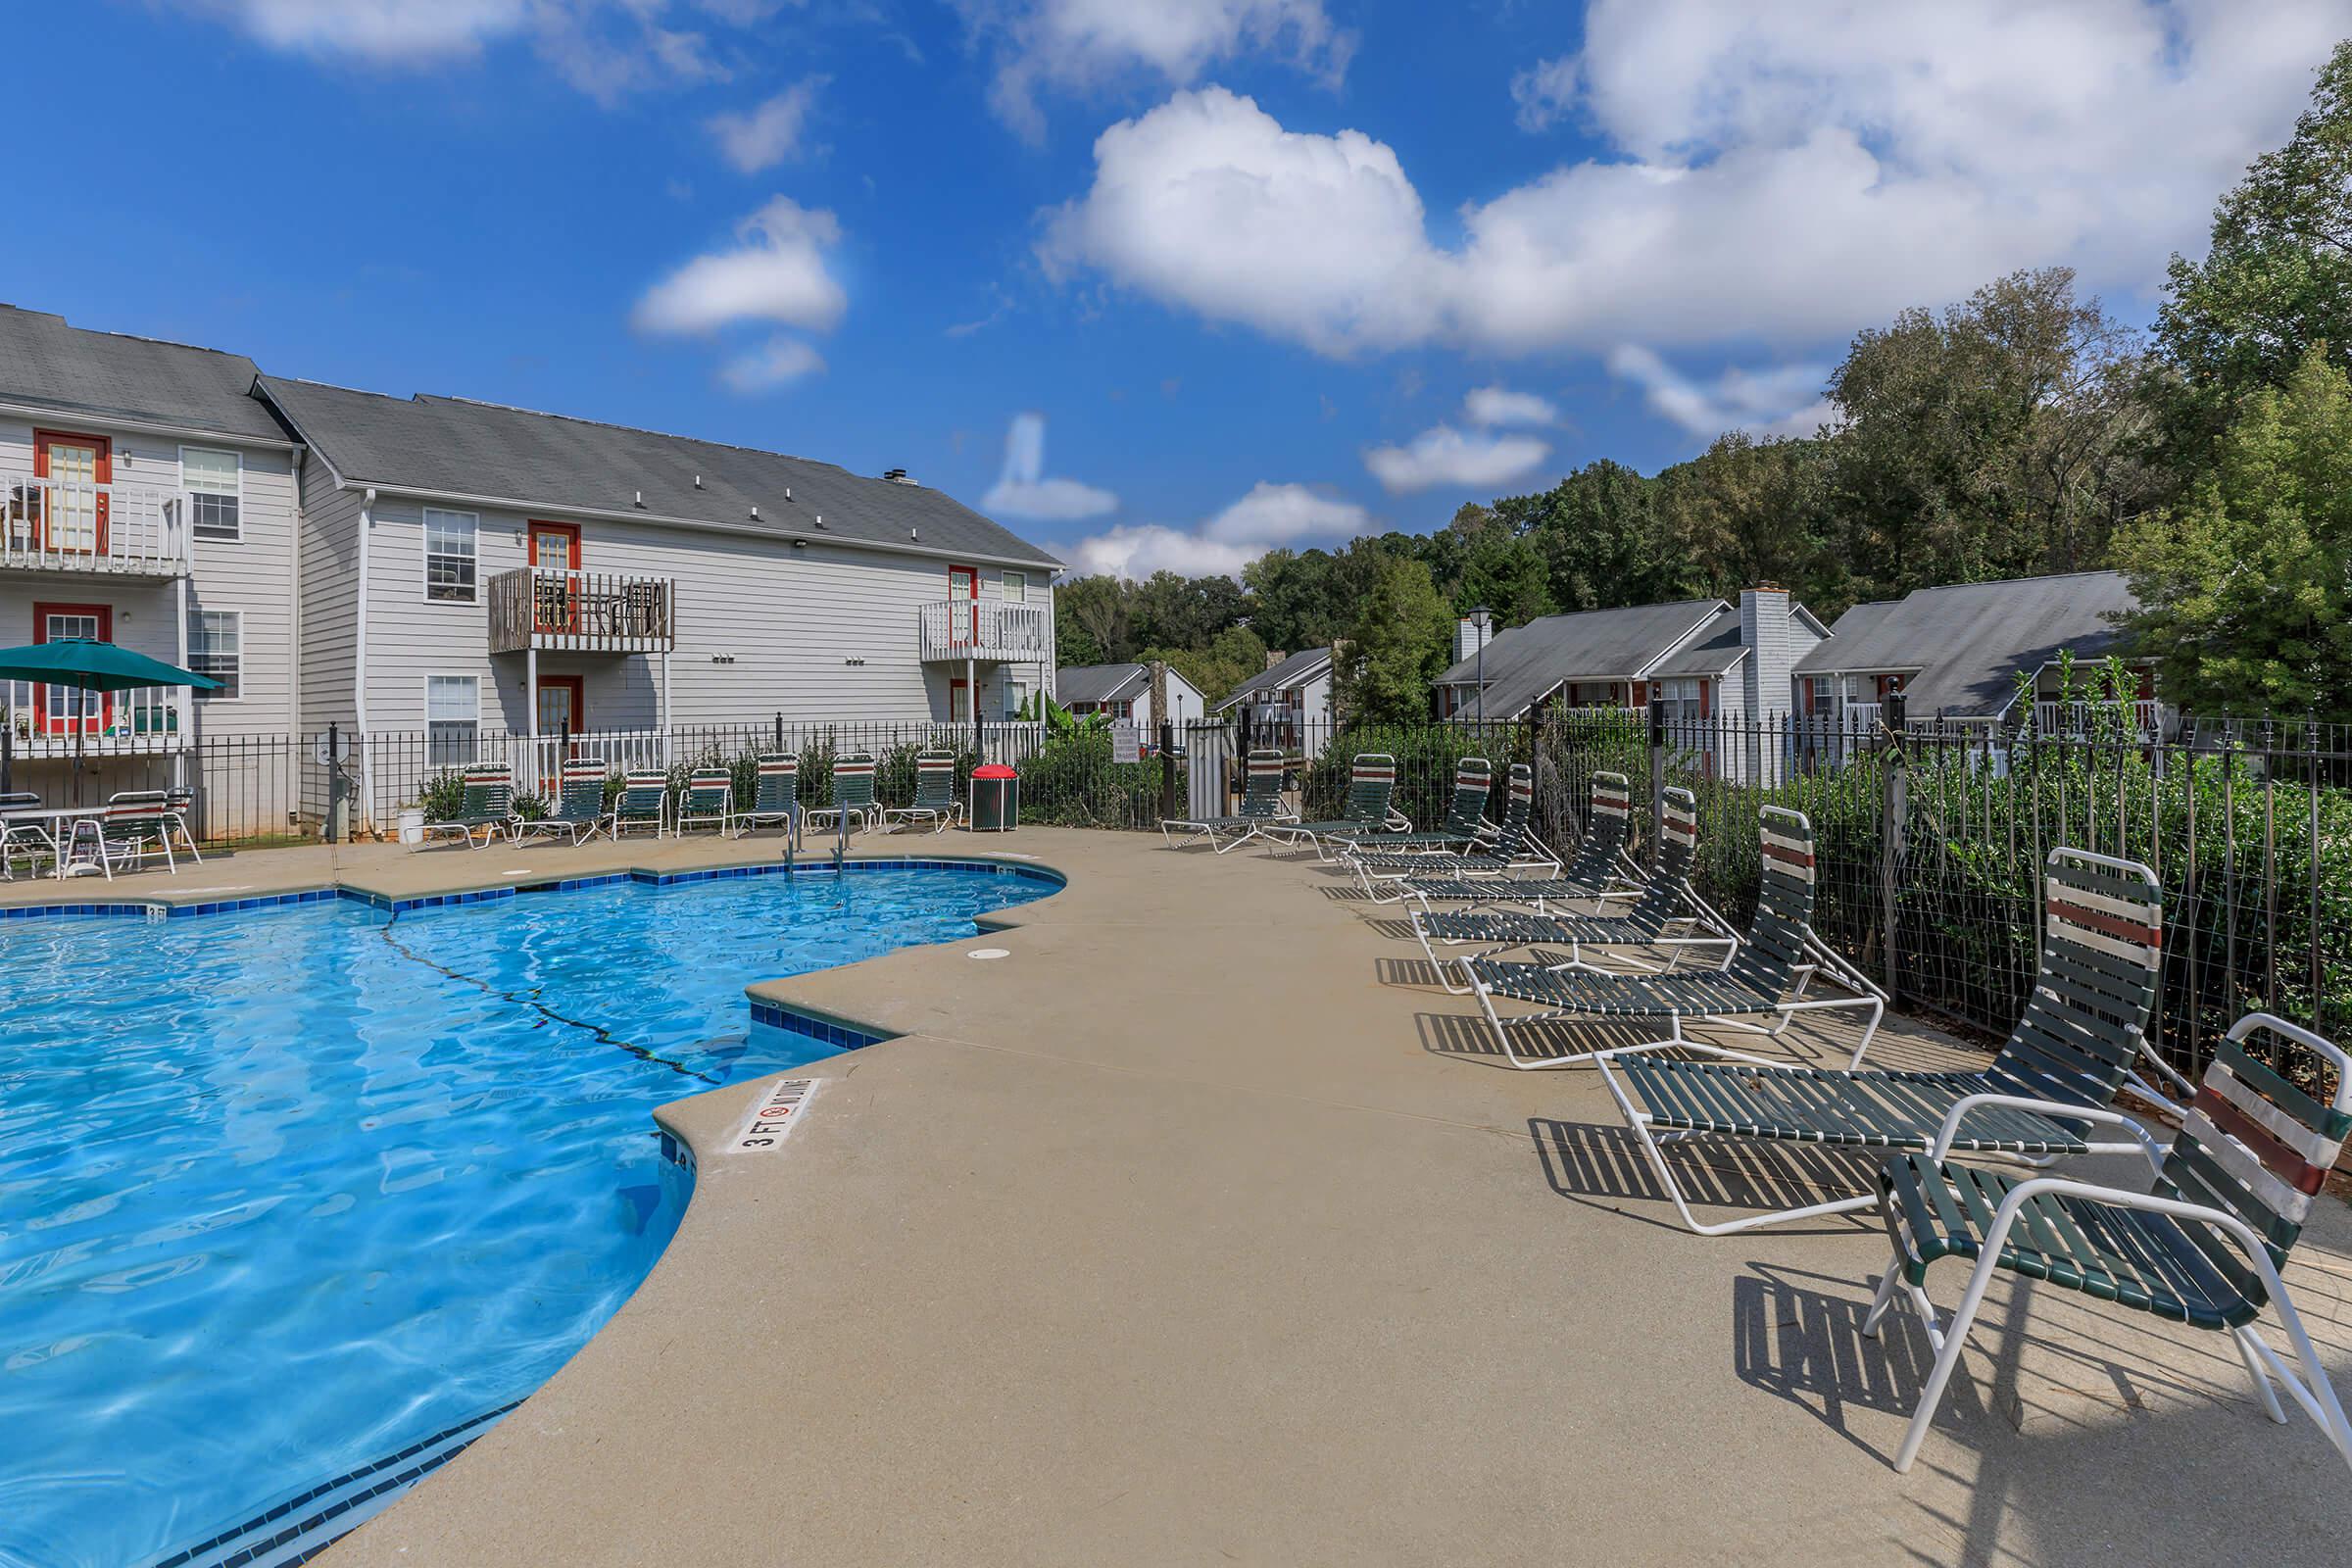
(815, 1026)
(144, 910)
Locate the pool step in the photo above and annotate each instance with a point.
(305, 1524)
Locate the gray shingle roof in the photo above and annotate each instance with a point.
(1715, 650)
(1967, 641)
(109, 375)
(1296, 671)
(1523, 664)
(1099, 683)
(452, 445)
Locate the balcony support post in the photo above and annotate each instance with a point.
(664, 726)
(184, 699)
(530, 706)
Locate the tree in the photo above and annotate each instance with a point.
(2246, 589)
(1599, 535)
(1298, 598)
(2277, 276)
(1395, 647)
(1747, 512)
(1507, 574)
(1091, 622)
(1232, 657)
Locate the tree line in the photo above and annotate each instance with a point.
(2022, 431)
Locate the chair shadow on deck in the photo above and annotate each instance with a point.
(1604, 1165)
(1468, 1034)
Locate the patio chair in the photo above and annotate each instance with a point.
(29, 839)
(709, 801)
(1465, 823)
(643, 802)
(2203, 1250)
(1515, 848)
(776, 794)
(1261, 807)
(1370, 808)
(1601, 873)
(1667, 915)
(934, 795)
(2074, 1046)
(488, 805)
(853, 795)
(1766, 975)
(579, 812)
(131, 826)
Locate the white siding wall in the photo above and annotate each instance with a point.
(828, 632)
(331, 586)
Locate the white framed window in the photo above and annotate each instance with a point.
(1016, 588)
(214, 480)
(1016, 697)
(450, 542)
(216, 648)
(453, 719)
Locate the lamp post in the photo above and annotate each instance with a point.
(1481, 617)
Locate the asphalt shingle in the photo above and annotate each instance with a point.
(47, 362)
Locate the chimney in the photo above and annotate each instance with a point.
(1275, 656)
(1470, 634)
(1768, 631)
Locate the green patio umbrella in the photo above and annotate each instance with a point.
(93, 666)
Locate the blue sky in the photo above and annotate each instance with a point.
(1218, 273)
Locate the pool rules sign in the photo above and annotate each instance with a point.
(773, 1118)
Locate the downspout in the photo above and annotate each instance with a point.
(294, 620)
(358, 667)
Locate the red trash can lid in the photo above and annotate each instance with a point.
(994, 770)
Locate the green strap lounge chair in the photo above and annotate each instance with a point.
(644, 803)
(2203, 1250)
(1668, 914)
(1767, 977)
(1465, 825)
(934, 796)
(579, 814)
(28, 837)
(1370, 809)
(709, 801)
(1515, 848)
(1599, 872)
(1261, 807)
(2073, 1048)
(775, 793)
(487, 807)
(131, 826)
(853, 795)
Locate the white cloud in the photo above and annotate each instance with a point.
(1494, 405)
(1543, 91)
(1785, 400)
(1088, 46)
(1269, 516)
(776, 271)
(1445, 456)
(1780, 173)
(777, 363)
(771, 133)
(405, 31)
(1022, 490)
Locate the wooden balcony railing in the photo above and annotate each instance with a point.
(124, 529)
(556, 611)
(988, 631)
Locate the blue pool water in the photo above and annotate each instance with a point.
(283, 1191)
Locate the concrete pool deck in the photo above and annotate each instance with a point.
(1196, 1230)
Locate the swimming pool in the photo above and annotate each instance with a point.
(290, 1197)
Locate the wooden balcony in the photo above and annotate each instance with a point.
(555, 610)
(123, 530)
(985, 631)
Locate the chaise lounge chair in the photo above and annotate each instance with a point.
(1515, 848)
(1370, 809)
(488, 805)
(709, 801)
(579, 812)
(775, 796)
(1465, 825)
(1767, 976)
(853, 795)
(1598, 873)
(644, 802)
(2203, 1250)
(1667, 915)
(1261, 807)
(2073, 1048)
(934, 795)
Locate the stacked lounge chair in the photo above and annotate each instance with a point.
(1465, 825)
(1261, 807)
(1768, 975)
(1370, 808)
(1515, 848)
(1599, 872)
(1668, 914)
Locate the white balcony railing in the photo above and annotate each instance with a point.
(41, 721)
(985, 631)
(127, 529)
(2076, 721)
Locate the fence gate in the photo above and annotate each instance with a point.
(1207, 749)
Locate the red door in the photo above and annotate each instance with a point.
(963, 582)
(79, 467)
(560, 705)
(56, 710)
(555, 601)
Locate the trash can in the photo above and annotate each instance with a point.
(996, 798)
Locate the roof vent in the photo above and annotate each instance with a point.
(755, 513)
(915, 533)
(820, 520)
(896, 477)
(640, 498)
(698, 481)
(788, 492)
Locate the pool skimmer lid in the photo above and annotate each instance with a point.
(990, 953)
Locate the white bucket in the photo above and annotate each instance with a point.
(412, 825)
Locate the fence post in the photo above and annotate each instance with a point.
(1895, 814)
(334, 779)
(1167, 769)
(1657, 781)
(779, 729)
(8, 752)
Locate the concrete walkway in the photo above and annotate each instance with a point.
(1194, 1230)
